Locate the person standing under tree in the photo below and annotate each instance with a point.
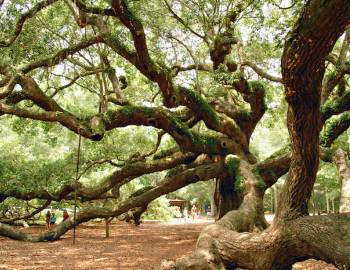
(53, 219)
(48, 218)
(185, 214)
(65, 215)
(194, 211)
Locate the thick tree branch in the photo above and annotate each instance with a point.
(334, 128)
(340, 69)
(118, 177)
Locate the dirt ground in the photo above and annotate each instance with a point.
(128, 247)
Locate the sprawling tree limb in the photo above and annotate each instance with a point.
(273, 168)
(340, 69)
(169, 184)
(118, 177)
(335, 106)
(334, 128)
(88, 130)
(160, 118)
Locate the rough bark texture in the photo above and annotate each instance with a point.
(226, 197)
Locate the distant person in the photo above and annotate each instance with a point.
(194, 211)
(185, 214)
(48, 218)
(52, 219)
(209, 210)
(65, 215)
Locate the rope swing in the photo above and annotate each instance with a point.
(75, 188)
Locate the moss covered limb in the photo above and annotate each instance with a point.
(334, 128)
(253, 93)
(116, 178)
(334, 106)
(275, 166)
(187, 139)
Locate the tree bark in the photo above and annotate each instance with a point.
(226, 197)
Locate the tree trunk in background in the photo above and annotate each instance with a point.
(107, 227)
(226, 197)
(275, 191)
(313, 203)
(272, 201)
(340, 159)
(327, 202)
(213, 205)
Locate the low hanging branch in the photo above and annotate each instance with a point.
(28, 216)
(169, 184)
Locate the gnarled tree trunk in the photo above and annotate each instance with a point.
(226, 197)
(294, 235)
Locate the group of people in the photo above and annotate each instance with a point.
(193, 213)
(51, 218)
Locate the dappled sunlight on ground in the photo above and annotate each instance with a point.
(129, 247)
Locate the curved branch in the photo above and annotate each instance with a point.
(335, 106)
(340, 69)
(157, 117)
(261, 72)
(62, 55)
(334, 128)
(118, 177)
(273, 168)
(180, 20)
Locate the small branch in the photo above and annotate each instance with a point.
(180, 20)
(24, 17)
(62, 54)
(261, 72)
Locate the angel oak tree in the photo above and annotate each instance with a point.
(188, 51)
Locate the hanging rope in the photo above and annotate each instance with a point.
(76, 186)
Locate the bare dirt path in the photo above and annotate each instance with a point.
(128, 248)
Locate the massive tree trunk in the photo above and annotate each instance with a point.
(341, 160)
(294, 235)
(226, 196)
